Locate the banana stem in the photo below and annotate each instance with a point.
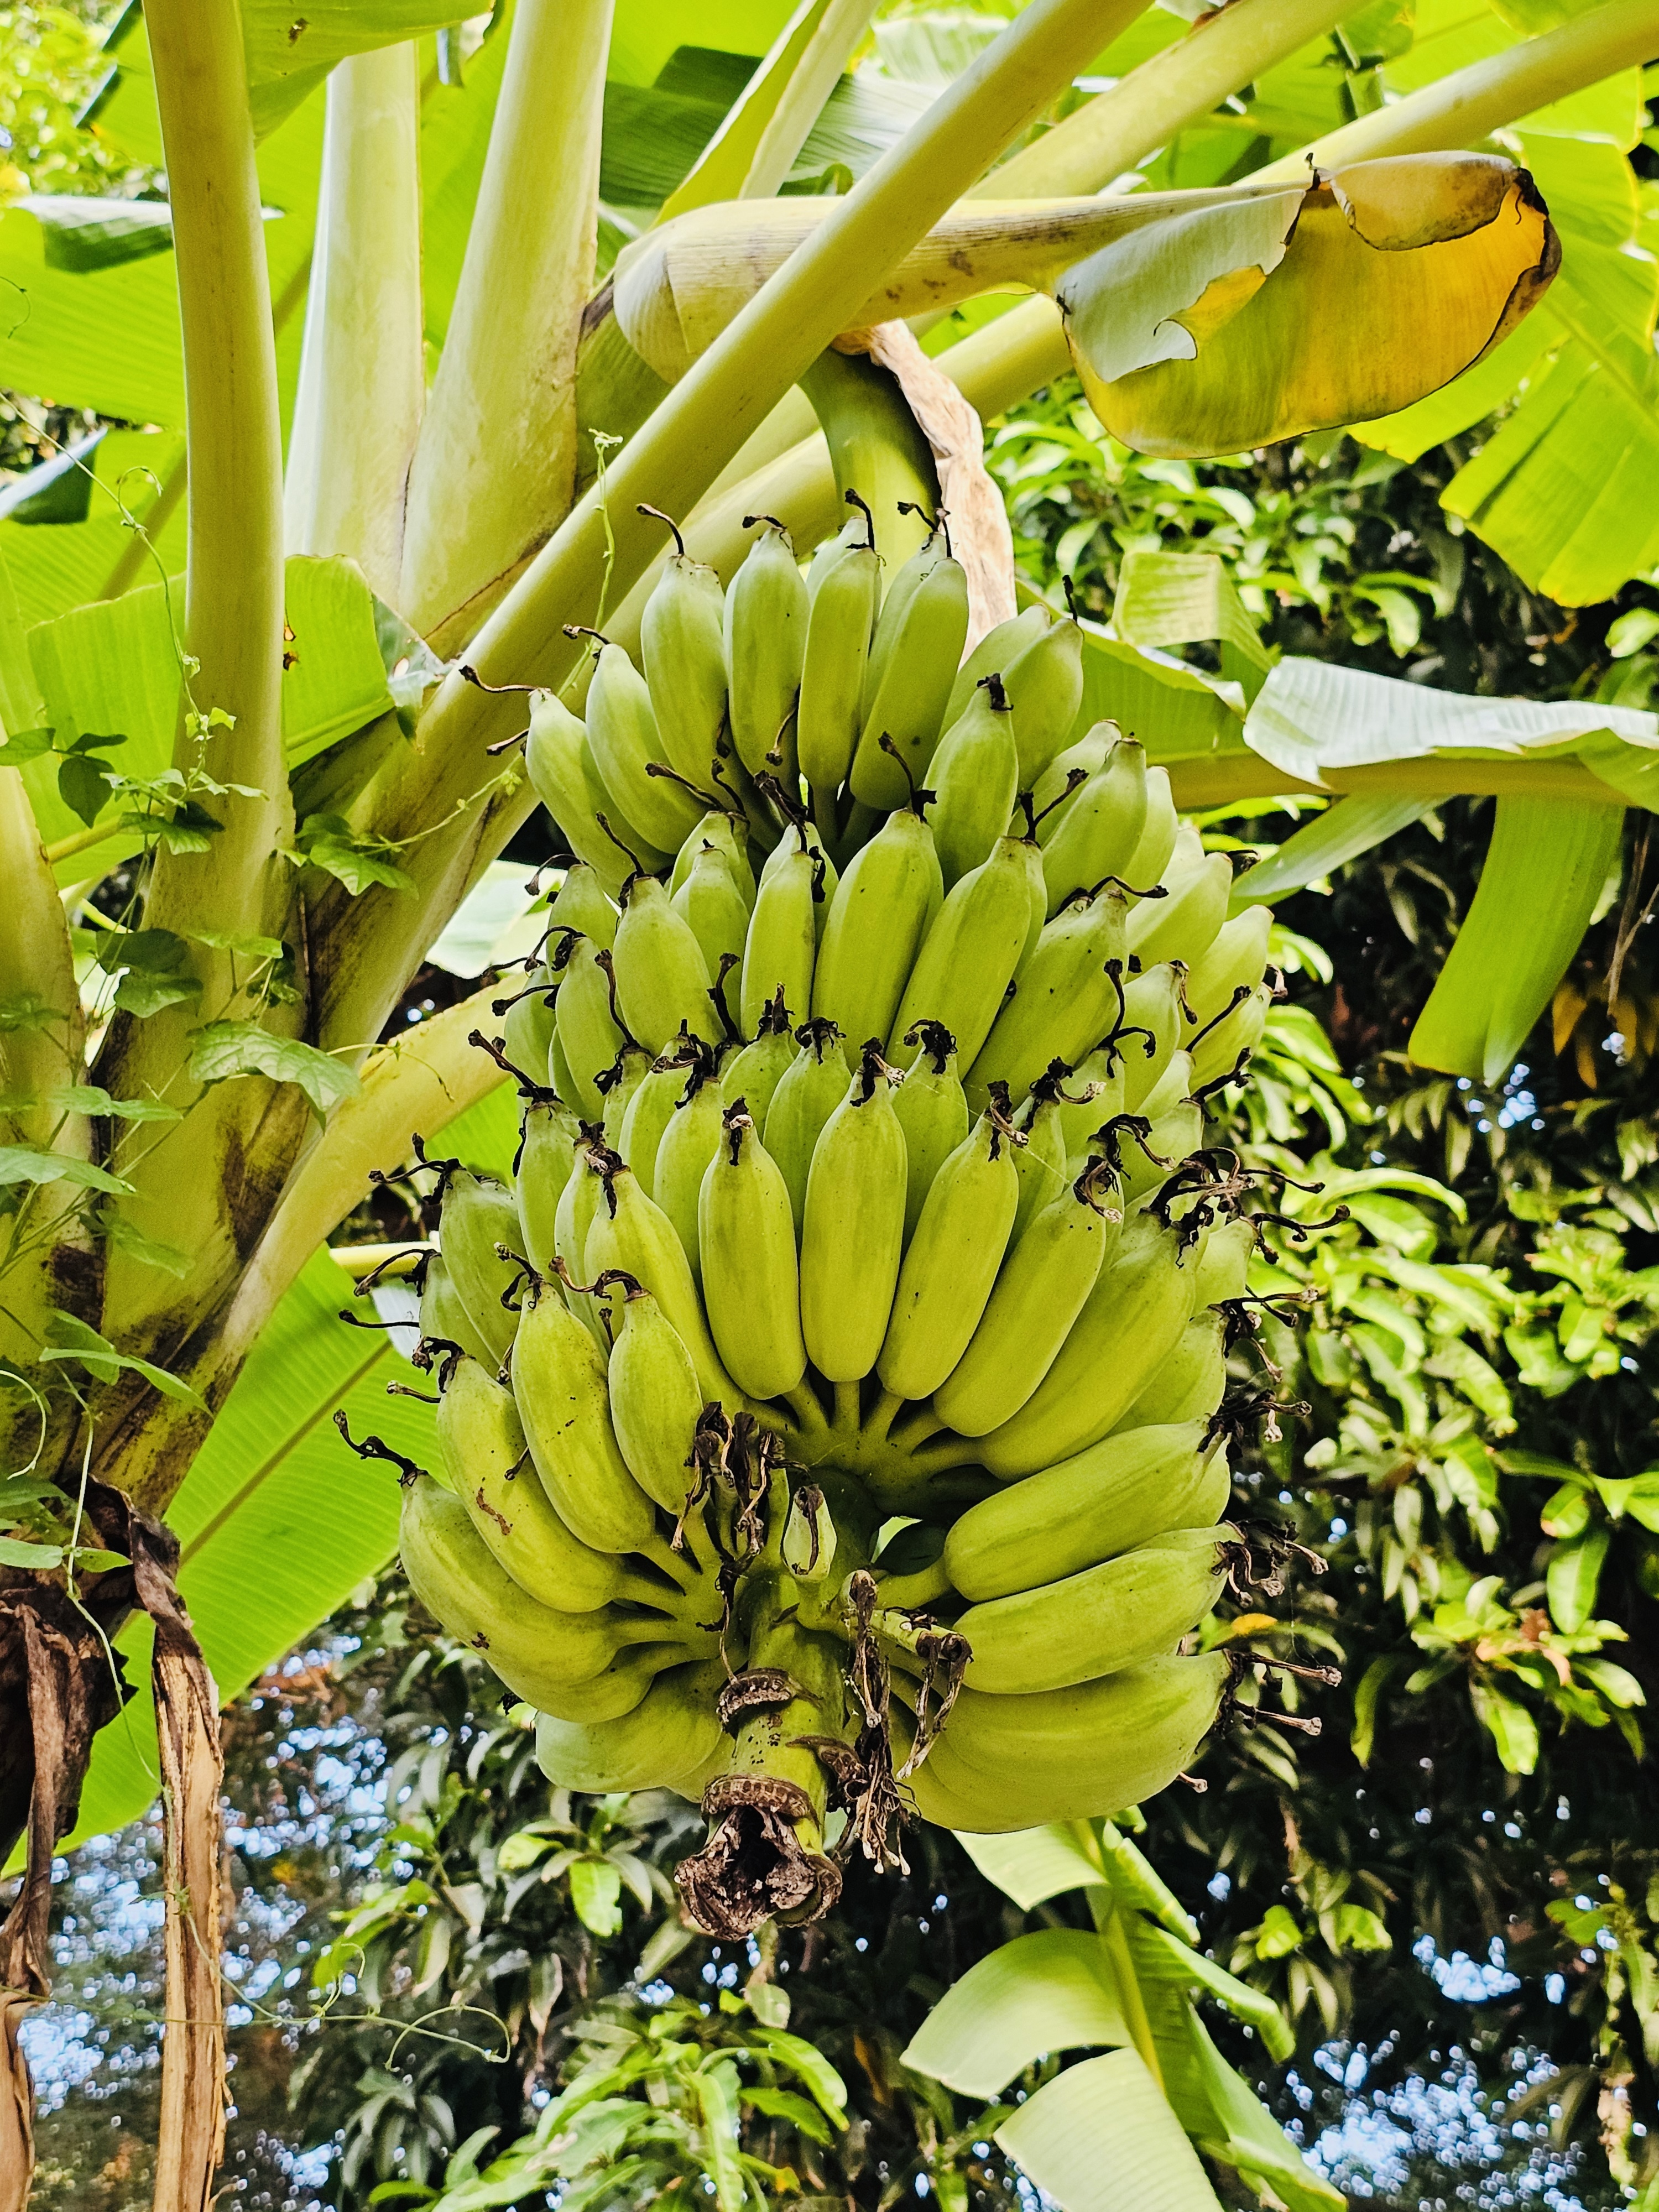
(803, 1402)
(847, 1407)
(917, 1430)
(880, 1417)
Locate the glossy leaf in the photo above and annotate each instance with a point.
(1573, 1577)
(1100, 2135)
(1049, 1991)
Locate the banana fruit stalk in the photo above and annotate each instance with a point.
(861, 1182)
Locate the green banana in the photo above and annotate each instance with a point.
(1224, 1270)
(852, 1227)
(882, 911)
(558, 1070)
(780, 948)
(1044, 683)
(683, 644)
(754, 1073)
(655, 1397)
(809, 1091)
(1099, 827)
(574, 1217)
(932, 1112)
(1188, 1383)
(1065, 1000)
(663, 981)
(1154, 1002)
(631, 1235)
(488, 1463)
(842, 616)
(1149, 863)
(951, 1260)
(618, 1084)
(623, 730)
(559, 1380)
(1235, 1036)
(531, 1025)
(653, 1106)
(1042, 1162)
(1137, 1606)
(765, 616)
(728, 833)
(1094, 1096)
(1132, 1322)
(564, 773)
(671, 1734)
(1177, 1129)
(587, 1666)
(689, 1143)
(1236, 958)
(444, 1319)
(1120, 1492)
(1016, 1762)
(994, 654)
(752, 1283)
(589, 1034)
(1042, 1286)
(969, 956)
(798, 830)
(710, 903)
(547, 1158)
(478, 1215)
(1055, 789)
(975, 774)
(917, 642)
(1184, 924)
(580, 904)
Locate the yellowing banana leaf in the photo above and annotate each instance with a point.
(1240, 326)
(1546, 869)
(1100, 2135)
(1049, 1991)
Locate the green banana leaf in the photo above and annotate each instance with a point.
(1343, 832)
(278, 1523)
(1051, 1991)
(1190, 598)
(1102, 2136)
(55, 565)
(1031, 1865)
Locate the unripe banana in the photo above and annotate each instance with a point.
(754, 1073)
(751, 1284)
(623, 730)
(969, 956)
(975, 774)
(1238, 1032)
(689, 1143)
(765, 616)
(662, 978)
(1150, 861)
(932, 1112)
(633, 1236)
(559, 1382)
(1099, 827)
(681, 642)
(879, 917)
(564, 775)
(1187, 1386)
(488, 1463)
(580, 904)
(1065, 1000)
(798, 830)
(589, 1035)
(574, 1217)
(781, 948)
(1055, 790)
(853, 534)
(1094, 1096)
(656, 1398)
(809, 1091)
(838, 631)
(1136, 1607)
(913, 663)
(728, 833)
(1235, 957)
(671, 1733)
(547, 1159)
(1120, 1493)
(951, 1262)
(995, 653)
(1154, 1003)
(531, 1024)
(1184, 925)
(1007, 1763)
(712, 906)
(1177, 1129)
(1133, 1321)
(1044, 683)
(580, 1666)
(558, 1070)
(618, 1084)
(1043, 1163)
(1042, 1288)
(852, 1227)
(477, 1216)
(653, 1107)
(444, 1319)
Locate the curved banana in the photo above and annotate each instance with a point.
(751, 1282)
(766, 616)
(655, 1398)
(951, 1262)
(882, 911)
(932, 1112)
(974, 774)
(809, 1091)
(671, 1733)
(852, 1234)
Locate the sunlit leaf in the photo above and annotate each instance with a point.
(1100, 2135)
(1053, 1990)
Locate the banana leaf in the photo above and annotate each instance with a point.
(1102, 2136)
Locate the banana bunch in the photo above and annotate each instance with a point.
(828, 1414)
